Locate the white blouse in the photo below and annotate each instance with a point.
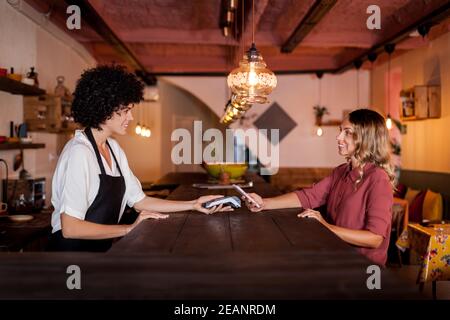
(75, 182)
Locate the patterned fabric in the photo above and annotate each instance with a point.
(433, 244)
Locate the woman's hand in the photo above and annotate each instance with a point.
(310, 213)
(251, 206)
(144, 215)
(198, 205)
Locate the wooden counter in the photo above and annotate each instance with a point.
(25, 236)
(236, 255)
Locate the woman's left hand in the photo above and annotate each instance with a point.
(310, 213)
(198, 205)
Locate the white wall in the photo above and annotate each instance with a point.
(296, 94)
(180, 104)
(144, 154)
(26, 44)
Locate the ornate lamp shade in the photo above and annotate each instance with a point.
(235, 109)
(252, 82)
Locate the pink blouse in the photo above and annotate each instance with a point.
(366, 207)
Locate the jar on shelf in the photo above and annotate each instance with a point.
(60, 89)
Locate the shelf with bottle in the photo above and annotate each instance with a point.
(420, 103)
(19, 88)
(14, 84)
(19, 145)
(48, 113)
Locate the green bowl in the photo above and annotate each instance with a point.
(235, 170)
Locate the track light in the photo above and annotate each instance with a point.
(372, 56)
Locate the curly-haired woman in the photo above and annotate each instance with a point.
(358, 194)
(93, 183)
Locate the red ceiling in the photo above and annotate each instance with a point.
(184, 36)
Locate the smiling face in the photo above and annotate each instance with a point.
(118, 123)
(345, 139)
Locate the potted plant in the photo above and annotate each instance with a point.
(320, 111)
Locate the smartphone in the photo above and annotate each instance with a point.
(246, 195)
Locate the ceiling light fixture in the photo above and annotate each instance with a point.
(357, 63)
(389, 48)
(252, 81)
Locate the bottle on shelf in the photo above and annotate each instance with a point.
(34, 76)
(14, 76)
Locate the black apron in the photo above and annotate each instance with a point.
(104, 210)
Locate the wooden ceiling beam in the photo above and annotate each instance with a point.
(317, 11)
(433, 18)
(91, 17)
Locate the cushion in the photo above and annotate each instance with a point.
(410, 195)
(400, 191)
(416, 207)
(432, 206)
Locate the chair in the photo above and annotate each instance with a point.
(400, 220)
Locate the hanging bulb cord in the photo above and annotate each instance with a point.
(320, 92)
(242, 27)
(389, 85)
(253, 21)
(357, 87)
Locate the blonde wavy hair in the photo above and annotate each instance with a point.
(371, 141)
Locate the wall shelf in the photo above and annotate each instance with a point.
(18, 145)
(48, 113)
(17, 87)
(421, 103)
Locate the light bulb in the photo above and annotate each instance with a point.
(389, 123)
(143, 131)
(319, 131)
(138, 129)
(252, 76)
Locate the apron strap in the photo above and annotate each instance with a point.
(115, 160)
(90, 136)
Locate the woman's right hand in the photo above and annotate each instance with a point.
(251, 206)
(144, 215)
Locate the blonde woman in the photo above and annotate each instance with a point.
(358, 194)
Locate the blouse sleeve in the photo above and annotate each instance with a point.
(75, 189)
(379, 208)
(315, 196)
(134, 191)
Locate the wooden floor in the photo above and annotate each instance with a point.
(410, 272)
(236, 255)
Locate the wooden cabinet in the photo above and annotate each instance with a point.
(434, 102)
(422, 102)
(48, 113)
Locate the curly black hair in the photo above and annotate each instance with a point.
(103, 90)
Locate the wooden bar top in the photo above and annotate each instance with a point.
(231, 255)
